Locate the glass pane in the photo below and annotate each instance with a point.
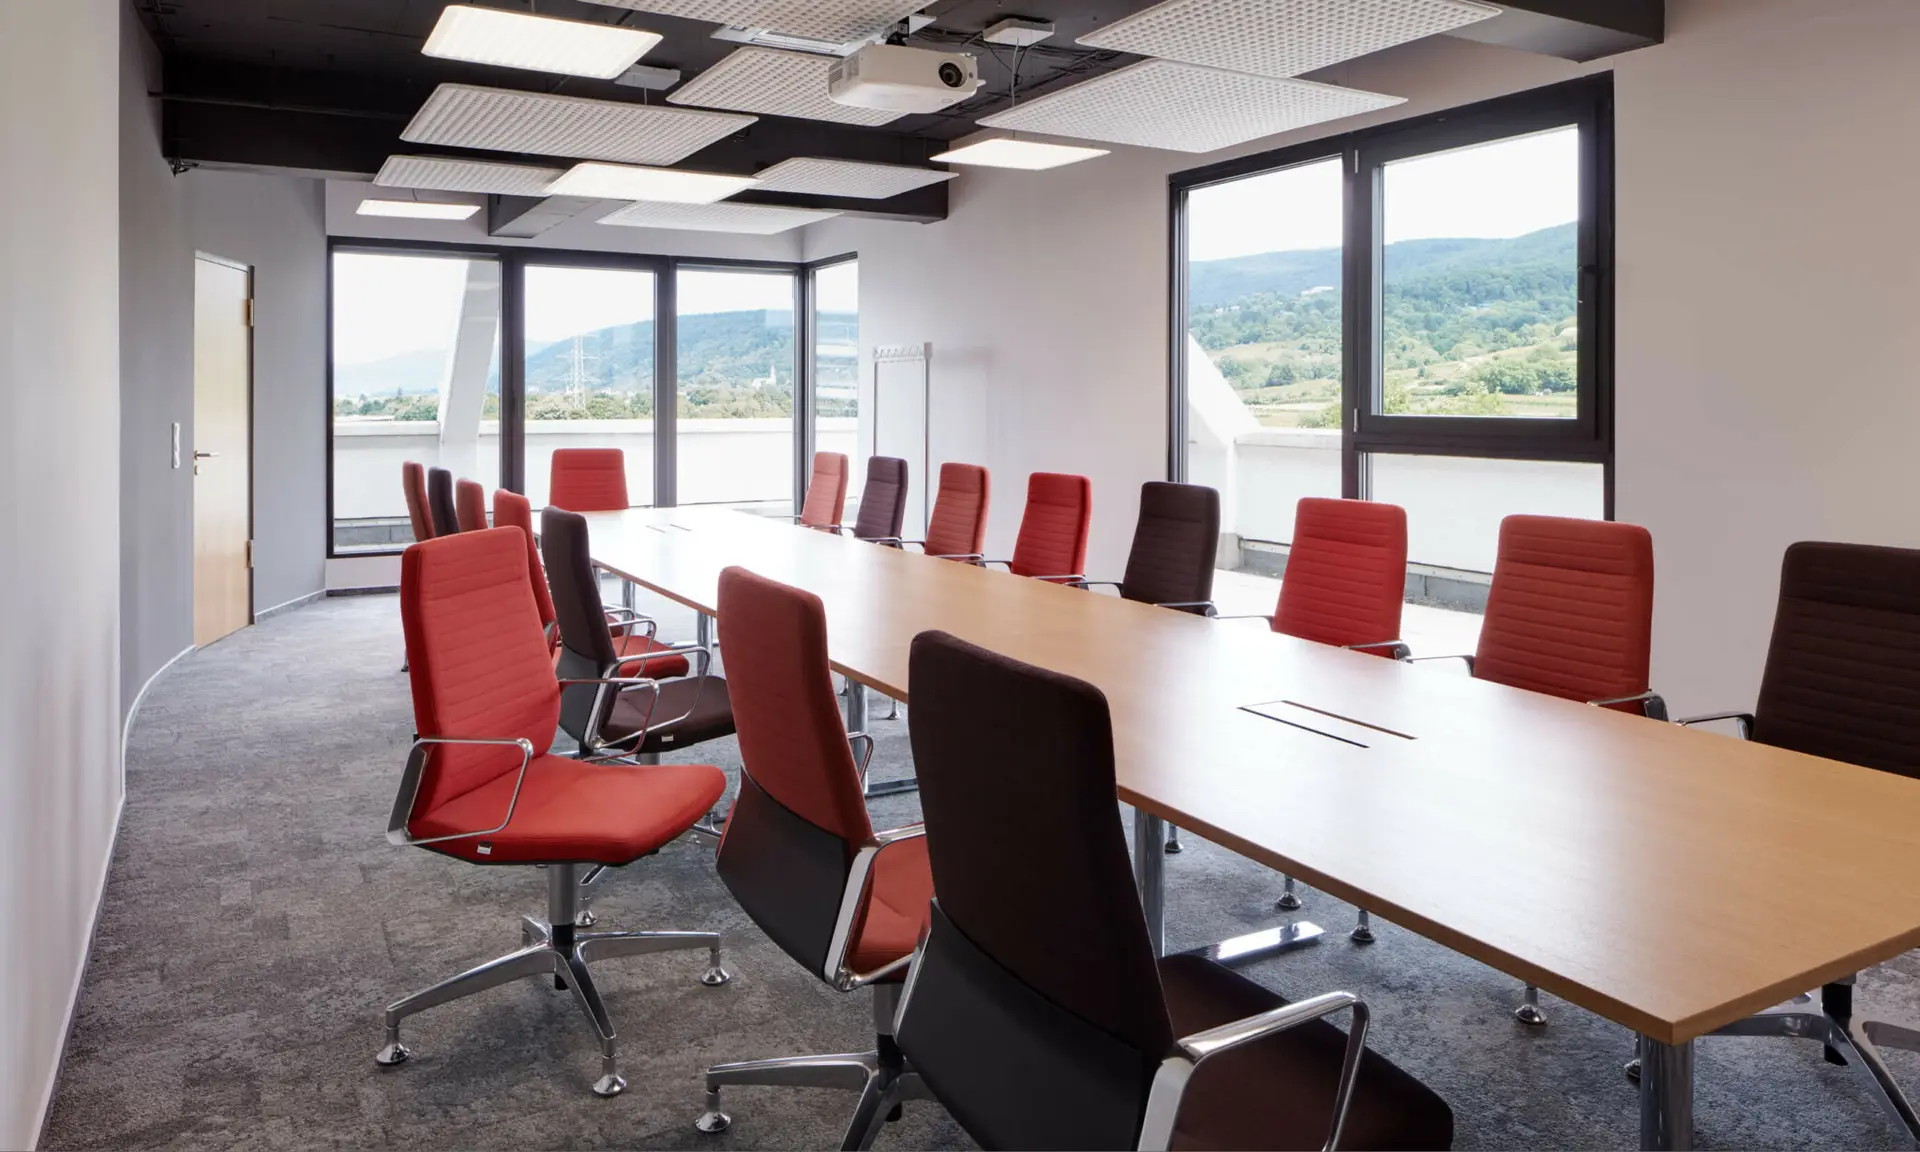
(836, 372)
(1455, 504)
(736, 362)
(1263, 361)
(415, 377)
(1481, 273)
(589, 371)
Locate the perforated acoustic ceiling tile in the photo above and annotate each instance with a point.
(757, 219)
(1280, 37)
(817, 176)
(776, 83)
(838, 21)
(465, 116)
(451, 174)
(1184, 107)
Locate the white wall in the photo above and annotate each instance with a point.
(1767, 285)
(59, 571)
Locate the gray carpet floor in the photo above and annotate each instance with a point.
(256, 922)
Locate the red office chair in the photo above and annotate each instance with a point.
(413, 481)
(588, 480)
(480, 785)
(1569, 614)
(957, 530)
(1052, 544)
(826, 499)
(799, 853)
(470, 505)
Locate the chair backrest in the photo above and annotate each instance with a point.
(477, 658)
(800, 815)
(826, 491)
(413, 481)
(588, 480)
(1035, 1012)
(470, 505)
(1174, 545)
(446, 518)
(883, 500)
(512, 510)
(1843, 669)
(958, 526)
(1053, 529)
(1346, 576)
(1570, 612)
(587, 650)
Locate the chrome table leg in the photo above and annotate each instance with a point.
(1666, 1094)
(1529, 1011)
(1150, 873)
(1289, 899)
(703, 630)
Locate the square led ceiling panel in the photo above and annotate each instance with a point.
(501, 120)
(1280, 37)
(450, 174)
(835, 21)
(817, 176)
(756, 219)
(1184, 107)
(776, 83)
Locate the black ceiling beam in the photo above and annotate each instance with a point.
(222, 114)
(1573, 29)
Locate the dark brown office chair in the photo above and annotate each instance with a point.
(883, 501)
(446, 517)
(1175, 541)
(470, 505)
(1036, 1011)
(1842, 681)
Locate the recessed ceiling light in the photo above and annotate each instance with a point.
(417, 209)
(1004, 150)
(538, 43)
(662, 185)
(729, 216)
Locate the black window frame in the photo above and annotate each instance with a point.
(1364, 431)
(514, 261)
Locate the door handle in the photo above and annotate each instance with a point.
(199, 455)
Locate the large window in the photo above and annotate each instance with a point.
(734, 335)
(416, 376)
(837, 410)
(1418, 313)
(587, 348)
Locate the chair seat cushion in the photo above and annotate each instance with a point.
(570, 812)
(900, 901)
(711, 718)
(1278, 1092)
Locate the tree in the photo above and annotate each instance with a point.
(1280, 375)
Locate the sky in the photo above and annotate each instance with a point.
(1507, 188)
(385, 305)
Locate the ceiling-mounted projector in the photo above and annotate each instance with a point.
(902, 79)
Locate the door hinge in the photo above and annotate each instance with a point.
(248, 306)
(249, 554)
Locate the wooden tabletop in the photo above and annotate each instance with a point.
(1668, 879)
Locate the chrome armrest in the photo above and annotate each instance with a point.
(1207, 604)
(1070, 579)
(590, 743)
(622, 621)
(402, 813)
(1652, 706)
(1248, 616)
(836, 972)
(689, 648)
(862, 744)
(1743, 721)
(1398, 649)
(1455, 656)
(889, 541)
(973, 558)
(1083, 582)
(1170, 1083)
(990, 563)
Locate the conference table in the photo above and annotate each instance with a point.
(1671, 880)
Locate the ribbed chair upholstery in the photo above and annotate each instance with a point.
(800, 854)
(826, 499)
(512, 510)
(1175, 541)
(413, 482)
(446, 517)
(883, 500)
(682, 710)
(481, 785)
(1052, 544)
(1570, 614)
(1036, 1011)
(470, 505)
(1842, 681)
(588, 480)
(957, 530)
